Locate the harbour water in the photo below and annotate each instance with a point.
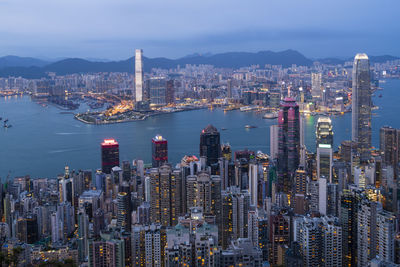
(42, 140)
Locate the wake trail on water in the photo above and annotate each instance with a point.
(66, 133)
(63, 150)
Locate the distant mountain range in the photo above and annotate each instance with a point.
(15, 61)
(35, 68)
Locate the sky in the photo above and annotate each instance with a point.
(112, 29)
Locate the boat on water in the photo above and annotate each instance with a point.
(247, 108)
(250, 126)
(380, 95)
(7, 126)
(270, 115)
(6, 120)
(224, 129)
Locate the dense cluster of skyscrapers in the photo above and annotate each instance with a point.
(292, 207)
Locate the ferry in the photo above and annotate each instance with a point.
(270, 115)
(248, 108)
(245, 109)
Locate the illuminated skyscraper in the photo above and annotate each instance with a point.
(278, 234)
(323, 131)
(210, 146)
(316, 85)
(124, 211)
(148, 245)
(65, 188)
(159, 151)
(300, 190)
(348, 221)
(324, 162)
(288, 143)
(165, 200)
(366, 232)
(139, 74)
(107, 252)
(109, 155)
(361, 106)
(204, 191)
(320, 241)
(235, 207)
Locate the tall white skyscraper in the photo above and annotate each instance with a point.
(332, 241)
(320, 240)
(303, 149)
(386, 231)
(322, 195)
(273, 141)
(366, 232)
(253, 227)
(139, 74)
(253, 180)
(361, 106)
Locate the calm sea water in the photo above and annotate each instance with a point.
(42, 140)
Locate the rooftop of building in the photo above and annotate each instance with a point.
(109, 142)
(209, 129)
(361, 56)
(159, 138)
(91, 193)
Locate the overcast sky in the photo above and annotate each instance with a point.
(112, 29)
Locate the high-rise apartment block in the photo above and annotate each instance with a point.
(165, 199)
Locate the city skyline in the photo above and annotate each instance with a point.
(199, 133)
(217, 205)
(109, 30)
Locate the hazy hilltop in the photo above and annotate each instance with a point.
(28, 67)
